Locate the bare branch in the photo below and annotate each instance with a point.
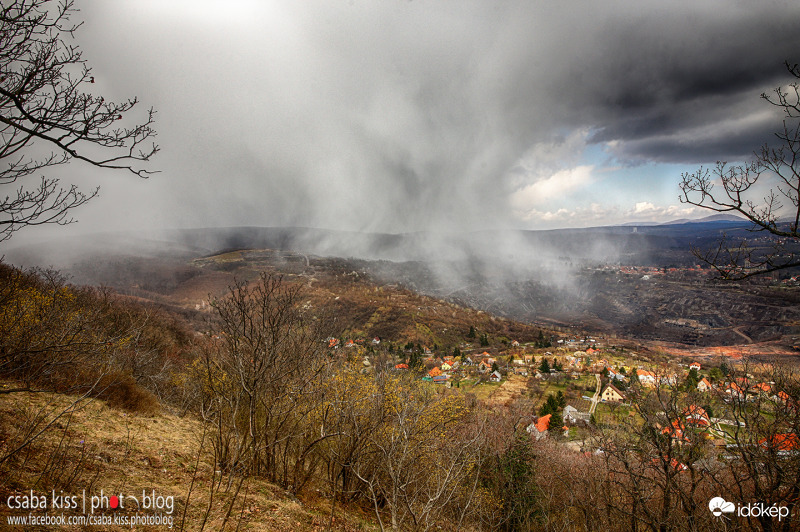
(44, 102)
(731, 189)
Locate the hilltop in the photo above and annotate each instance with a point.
(638, 282)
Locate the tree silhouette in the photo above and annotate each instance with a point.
(48, 117)
(732, 189)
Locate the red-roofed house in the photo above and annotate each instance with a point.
(538, 429)
(676, 465)
(697, 415)
(646, 377)
(783, 443)
(762, 388)
(703, 385)
(734, 390)
(676, 430)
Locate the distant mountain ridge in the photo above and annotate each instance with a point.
(719, 217)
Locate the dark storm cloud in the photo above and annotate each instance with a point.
(662, 79)
(401, 116)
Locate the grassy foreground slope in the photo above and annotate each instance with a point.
(94, 447)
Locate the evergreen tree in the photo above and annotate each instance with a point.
(484, 340)
(471, 333)
(552, 402)
(556, 423)
(692, 379)
(514, 475)
(562, 401)
(545, 366)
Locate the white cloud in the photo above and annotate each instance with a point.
(597, 214)
(558, 185)
(644, 207)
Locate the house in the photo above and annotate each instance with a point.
(573, 415)
(614, 375)
(786, 443)
(484, 366)
(435, 372)
(612, 394)
(674, 463)
(446, 366)
(647, 378)
(440, 379)
(538, 429)
(694, 366)
(495, 376)
(734, 390)
(677, 431)
(703, 385)
(521, 371)
(762, 388)
(697, 416)
(514, 344)
(376, 340)
(669, 380)
(401, 366)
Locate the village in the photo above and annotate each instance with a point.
(572, 385)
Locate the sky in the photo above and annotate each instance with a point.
(400, 116)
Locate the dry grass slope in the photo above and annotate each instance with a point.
(99, 447)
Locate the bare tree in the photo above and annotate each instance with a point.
(733, 189)
(762, 462)
(47, 117)
(263, 378)
(656, 462)
(422, 460)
